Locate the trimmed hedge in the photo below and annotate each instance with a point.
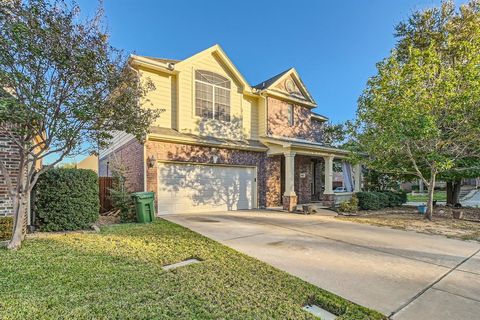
(66, 199)
(378, 200)
(6, 228)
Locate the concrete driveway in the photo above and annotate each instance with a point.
(405, 275)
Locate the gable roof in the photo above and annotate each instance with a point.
(267, 83)
(269, 86)
(218, 51)
(164, 60)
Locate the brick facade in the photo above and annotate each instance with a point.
(304, 126)
(268, 168)
(303, 178)
(10, 156)
(129, 159)
(273, 181)
(200, 154)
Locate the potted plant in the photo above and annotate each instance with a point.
(422, 209)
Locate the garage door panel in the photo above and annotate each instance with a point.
(186, 188)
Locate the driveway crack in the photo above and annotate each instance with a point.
(419, 294)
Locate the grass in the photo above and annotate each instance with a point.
(437, 195)
(405, 219)
(117, 274)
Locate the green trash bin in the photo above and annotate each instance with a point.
(144, 206)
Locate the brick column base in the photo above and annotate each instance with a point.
(290, 203)
(328, 200)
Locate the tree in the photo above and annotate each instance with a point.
(419, 114)
(468, 168)
(68, 90)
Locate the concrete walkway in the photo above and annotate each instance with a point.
(405, 275)
(473, 200)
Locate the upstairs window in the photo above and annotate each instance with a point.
(212, 96)
(290, 117)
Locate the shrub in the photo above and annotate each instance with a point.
(66, 199)
(383, 200)
(349, 206)
(368, 200)
(378, 200)
(402, 197)
(122, 201)
(6, 227)
(393, 199)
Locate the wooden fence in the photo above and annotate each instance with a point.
(105, 184)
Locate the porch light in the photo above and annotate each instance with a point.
(151, 161)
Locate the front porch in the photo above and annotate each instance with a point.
(300, 172)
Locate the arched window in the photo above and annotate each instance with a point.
(212, 95)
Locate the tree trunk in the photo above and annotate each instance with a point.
(20, 205)
(19, 220)
(453, 191)
(450, 193)
(431, 190)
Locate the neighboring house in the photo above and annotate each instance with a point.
(90, 162)
(223, 144)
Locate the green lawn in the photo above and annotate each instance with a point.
(437, 195)
(117, 274)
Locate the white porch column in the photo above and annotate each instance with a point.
(328, 175)
(289, 174)
(358, 177)
(289, 198)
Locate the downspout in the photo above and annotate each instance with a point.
(144, 162)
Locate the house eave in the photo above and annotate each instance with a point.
(303, 147)
(200, 141)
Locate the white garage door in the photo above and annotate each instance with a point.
(190, 188)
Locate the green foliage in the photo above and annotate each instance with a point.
(68, 88)
(419, 114)
(377, 200)
(395, 198)
(6, 227)
(66, 199)
(122, 200)
(368, 200)
(52, 278)
(350, 206)
(377, 181)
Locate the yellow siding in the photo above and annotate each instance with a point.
(161, 97)
(262, 117)
(190, 123)
(176, 94)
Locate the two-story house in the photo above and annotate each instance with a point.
(222, 144)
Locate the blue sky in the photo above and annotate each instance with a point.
(334, 45)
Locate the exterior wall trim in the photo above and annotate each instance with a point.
(161, 138)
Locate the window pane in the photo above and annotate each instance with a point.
(290, 115)
(203, 100)
(222, 104)
(213, 78)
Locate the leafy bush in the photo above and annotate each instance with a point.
(402, 195)
(378, 200)
(368, 200)
(66, 199)
(122, 201)
(383, 200)
(6, 227)
(349, 206)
